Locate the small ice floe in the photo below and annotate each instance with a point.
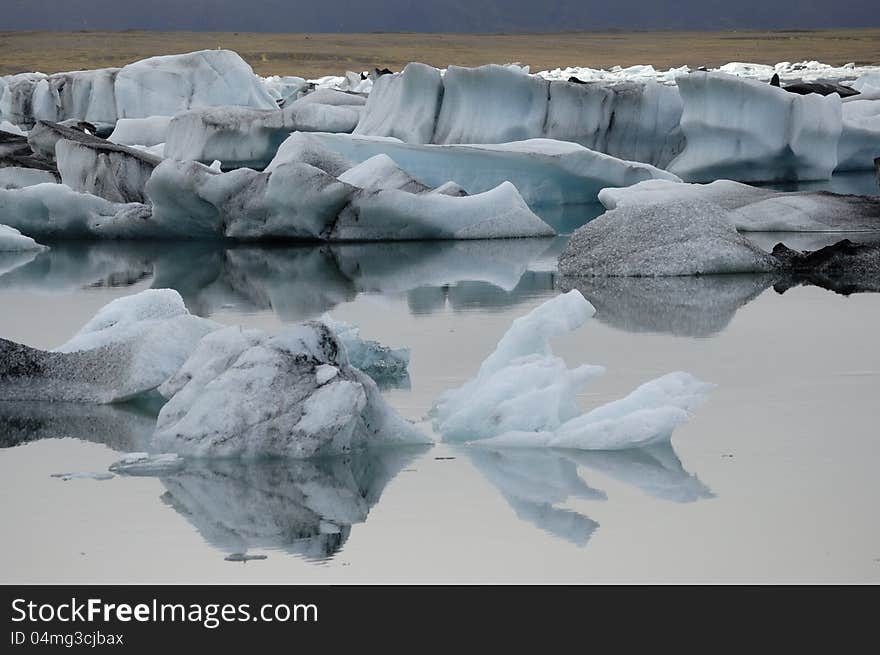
(387, 366)
(147, 464)
(83, 475)
(524, 396)
(243, 557)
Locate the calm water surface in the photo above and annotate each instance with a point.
(774, 479)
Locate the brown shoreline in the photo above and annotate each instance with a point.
(312, 55)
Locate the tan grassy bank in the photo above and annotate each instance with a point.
(312, 55)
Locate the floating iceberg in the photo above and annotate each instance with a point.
(132, 345)
(241, 136)
(501, 104)
(243, 393)
(524, 396)
(141, 131)
(171, 84)
(745, 130)
(543, 171)
(680, 237)
(142, 463)
(11, 240)
(860, 136)
(755, 209)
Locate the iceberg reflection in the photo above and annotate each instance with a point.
(302, 507)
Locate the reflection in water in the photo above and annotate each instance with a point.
(534, 481)
(125, 427)
(300, 282)
(656, 470)
(682, 306)
(303, 507)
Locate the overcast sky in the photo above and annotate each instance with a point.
(433, 15)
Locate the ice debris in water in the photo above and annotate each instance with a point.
(147, 464)
(524, 396)
(387, 366)
(83, 475)
(250, 394)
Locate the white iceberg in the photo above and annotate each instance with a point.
(749, 131)
(171, 84)
(860, 137)
(11, 240)
(132, 345)
(244, 393)
(147, 132)
(525, 397)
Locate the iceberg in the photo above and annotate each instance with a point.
(11, 240)
(525, 397)
(147, 132)
(245, 137)
(244, 393)
(680, 237)
(544, 171)
(16, 177)
(171, 84)
(752, 132)
(404, 105)
(132, 345)
(860, 136)
(755, 209)
(501, 104)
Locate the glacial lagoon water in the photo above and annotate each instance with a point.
(773, 480)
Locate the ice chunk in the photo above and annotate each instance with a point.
(240, 136)
(860, 138)
(523, 396)
(404, 105)
(56, 210)
(16, 177)
(544, 171)
(681, 237)
(141, 463)
(749, 131)
(386, 366)
(96, 166)
(78, 95)
(149, 131)
(171, 84)
(756, 209)
(521, 385)
(132, 345)
(11, 240)
(249, 394)
(386, 214)
(84, 475)
(635, 121)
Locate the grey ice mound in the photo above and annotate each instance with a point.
(245, 393)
